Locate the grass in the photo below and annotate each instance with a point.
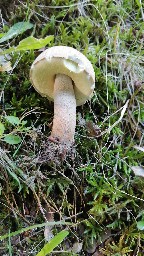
(96, 188)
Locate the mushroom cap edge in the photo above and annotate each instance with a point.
(64, 60)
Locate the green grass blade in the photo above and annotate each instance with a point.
(54, 223)
(54, 242)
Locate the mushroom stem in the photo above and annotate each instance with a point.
(64, 121)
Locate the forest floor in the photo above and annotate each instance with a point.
(95, 195)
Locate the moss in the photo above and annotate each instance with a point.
(94, 188)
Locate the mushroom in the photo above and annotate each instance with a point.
(65, 76)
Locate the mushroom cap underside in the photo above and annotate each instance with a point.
(63, 60)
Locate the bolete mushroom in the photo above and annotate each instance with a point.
(65, 76)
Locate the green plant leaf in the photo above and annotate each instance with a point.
(15, 30)
(10, 50)
(13, 120)
(12, 139)
(29, 43)
(53, 243)
(140, 225)
(32, 43)
(2, 128)
(1, 35)
(15, 178)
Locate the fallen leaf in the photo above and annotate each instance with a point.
(48, 235)
(6, 67)
(138, 170)
(77, 247)
(139, 148)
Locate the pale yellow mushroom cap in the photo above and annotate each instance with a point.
(63, 60)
